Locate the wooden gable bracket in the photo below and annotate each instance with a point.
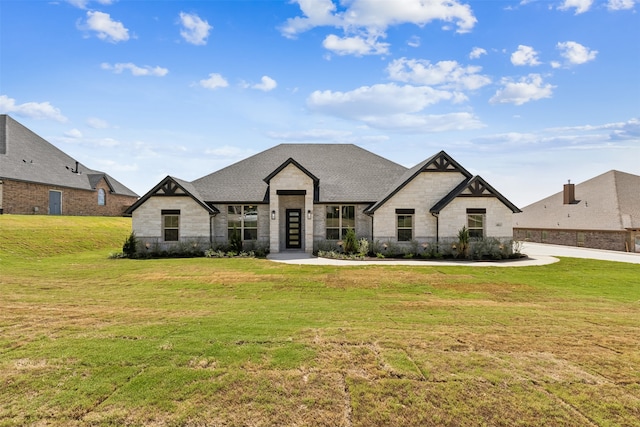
(442, 163)
(169, 188)
(477, 188)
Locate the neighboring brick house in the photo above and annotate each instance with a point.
(38, 178)
(293, 196)
(601, 213)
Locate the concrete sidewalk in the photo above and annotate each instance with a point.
(538, 254)
(307, 259)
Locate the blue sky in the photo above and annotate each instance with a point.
(526, 94)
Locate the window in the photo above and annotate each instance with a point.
(475, 224)
(581, 238)
(338, 220)
(171, 225)
(101, 197)
(244, 220)
(405, 227)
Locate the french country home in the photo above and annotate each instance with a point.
(295, 196)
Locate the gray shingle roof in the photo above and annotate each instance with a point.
(610, 201)
(25, 156)
(346, 173)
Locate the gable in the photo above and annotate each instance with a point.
(173, 187)
(442, 162)
(438, 163)
(474, 187)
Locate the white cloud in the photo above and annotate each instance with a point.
(356, 45)
(229, 151)
(266, 84)
(97, 123)
(214, 81)
(525, 55)
(620, 4)
(414, 41)
(575, 53)
(194, 29)
(82, 4)
(426, 122)
(107, 29)
(73, 133)
(376, 100)
(365, 21)
(34, 110)
(390, 106)
(135, 70)
(529, 88)
(448, 74)
(580, 6)
(477, 52)
(313, 135)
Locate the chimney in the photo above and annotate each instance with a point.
(569, 193)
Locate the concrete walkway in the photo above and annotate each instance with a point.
(538, 254)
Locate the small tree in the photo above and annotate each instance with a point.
(350, 242)
(130, 246)
(463, 241)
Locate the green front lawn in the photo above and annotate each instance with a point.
(88, 340)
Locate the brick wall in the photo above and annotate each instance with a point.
(27, 198)
(596, 239)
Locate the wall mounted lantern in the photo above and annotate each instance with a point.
(309, 214)
(273, 214)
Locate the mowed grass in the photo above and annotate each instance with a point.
(88, 340)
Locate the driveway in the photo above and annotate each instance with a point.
(538, 254)
(536, 249)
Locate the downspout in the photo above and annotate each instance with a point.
(436, 214)
(211, 217)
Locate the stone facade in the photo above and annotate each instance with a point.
(292, 201)
(291, 179)
(194, 220)
(28, 198)
(498, 218)
(420, 194)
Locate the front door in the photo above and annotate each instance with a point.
(55, 202)
(294, 228)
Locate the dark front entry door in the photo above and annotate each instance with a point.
(294, 228)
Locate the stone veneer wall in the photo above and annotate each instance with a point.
(596, 239)
(27, 198)
(194, 219)
(498, 218)
(424, 191)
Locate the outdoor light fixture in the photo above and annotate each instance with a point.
(309, 214)
(273, 214)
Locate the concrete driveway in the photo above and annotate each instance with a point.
(538, 254)
(536, 249)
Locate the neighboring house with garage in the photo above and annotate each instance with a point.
(601, 213)
(294, 196)
(38, 178)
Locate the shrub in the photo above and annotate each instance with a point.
(235, 240)
(350, 242)
(363, 247)
(130, 246)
